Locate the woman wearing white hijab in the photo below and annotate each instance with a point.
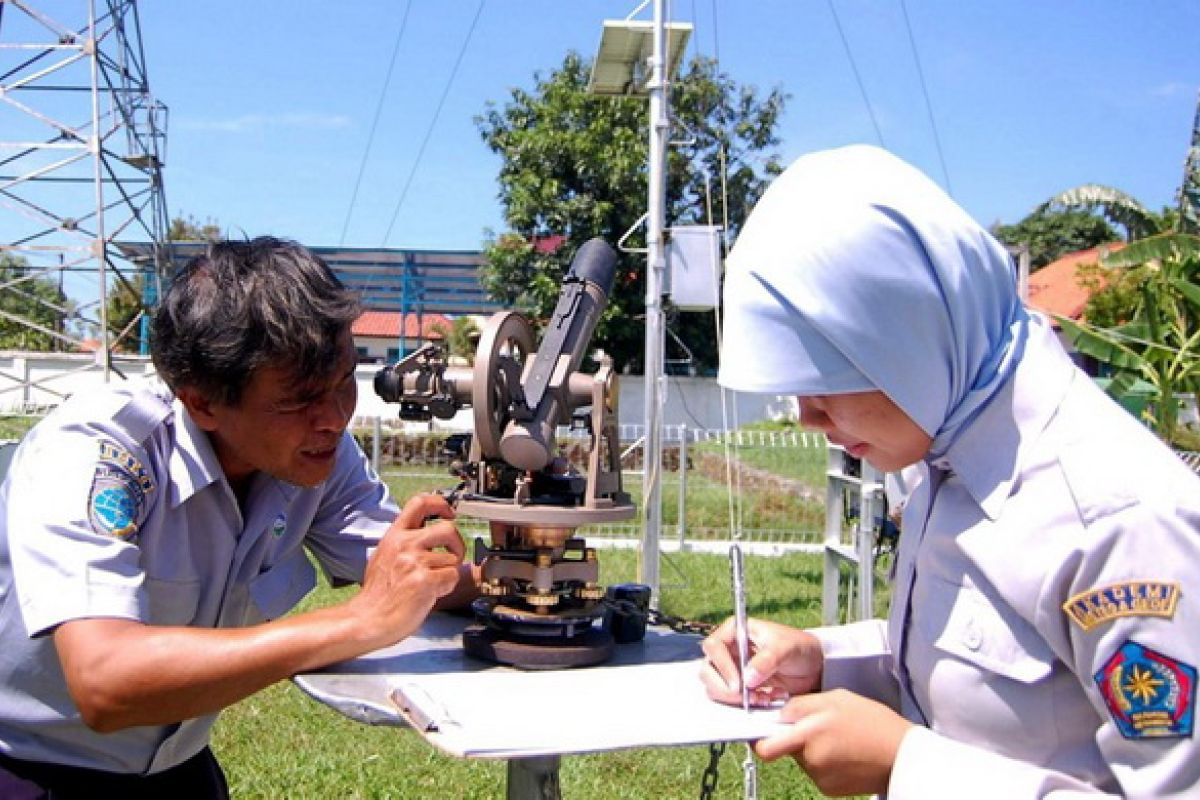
(1043, 639)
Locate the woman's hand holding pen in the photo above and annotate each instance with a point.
(784, 661)
(845, 742)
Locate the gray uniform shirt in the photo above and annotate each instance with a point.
(1044, 623)
(115, 506)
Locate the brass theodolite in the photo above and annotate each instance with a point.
(542, 605)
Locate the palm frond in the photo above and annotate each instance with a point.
(1099, 343)
(1181, 247)
(1121, 383)
(1116, 206)
(1188, 289)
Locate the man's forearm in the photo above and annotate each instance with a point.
(123, 673)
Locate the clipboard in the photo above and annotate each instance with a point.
(513, 714)
(648, 695)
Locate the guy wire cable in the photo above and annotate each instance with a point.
(736, 506)
(732, 478)
(432, 123)
(362, 166)
(857, 77)
(937, 140)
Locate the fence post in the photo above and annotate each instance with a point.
(377, 434)
(683, 448)
(867, 488)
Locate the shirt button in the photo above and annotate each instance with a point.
(972, 636)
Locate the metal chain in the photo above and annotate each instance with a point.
(654, 616)
(708, 781)
(679, 624)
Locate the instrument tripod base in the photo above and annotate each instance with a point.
(583, 650)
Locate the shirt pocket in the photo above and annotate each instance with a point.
(993, 638)
(990, 677)
(277, 590)
(173, 602)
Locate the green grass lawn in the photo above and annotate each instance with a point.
(14, 426)
(282, 744)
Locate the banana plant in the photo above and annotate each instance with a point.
(1116, 206)
(1160, 343)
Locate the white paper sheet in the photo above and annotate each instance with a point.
(519, 714)
(648, 695)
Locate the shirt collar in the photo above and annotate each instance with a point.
(194, 463)
(987, 454)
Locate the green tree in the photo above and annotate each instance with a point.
(32, 307)
(126, 304)
(574, 166)
(1051, 234)
(190, 229)
(1113, 294)
(125, 308)
(461, 337)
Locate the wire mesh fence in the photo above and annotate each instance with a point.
(768, 485)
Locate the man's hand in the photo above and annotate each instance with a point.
(784, 661)
(846, 743)
(413, 565)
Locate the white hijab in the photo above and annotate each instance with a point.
(856, 272)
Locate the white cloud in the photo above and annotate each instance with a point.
(249, 123)
(1172, 89)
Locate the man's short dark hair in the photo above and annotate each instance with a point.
(247, 304)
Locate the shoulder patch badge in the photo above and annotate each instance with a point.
(1148, 694)
(1129, 599)
(119, 490)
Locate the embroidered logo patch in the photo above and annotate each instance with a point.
(1148, 694)
(279, 526)
(1130, 599)
(119, 490)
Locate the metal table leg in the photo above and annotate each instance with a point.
(533, 779)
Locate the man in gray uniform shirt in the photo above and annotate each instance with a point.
(152, 538)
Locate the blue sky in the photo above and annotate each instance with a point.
(271, 103)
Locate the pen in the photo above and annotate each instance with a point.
(739, 618)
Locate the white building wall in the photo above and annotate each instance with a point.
(38, 380)
(694, 402)
(376, 346)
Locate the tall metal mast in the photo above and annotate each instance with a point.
(82, 147)
(656, 266)
(634, 58)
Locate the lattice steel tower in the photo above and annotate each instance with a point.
(82, 147)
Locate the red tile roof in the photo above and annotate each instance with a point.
(1055, 288)
(387, 324)
(548, 244)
